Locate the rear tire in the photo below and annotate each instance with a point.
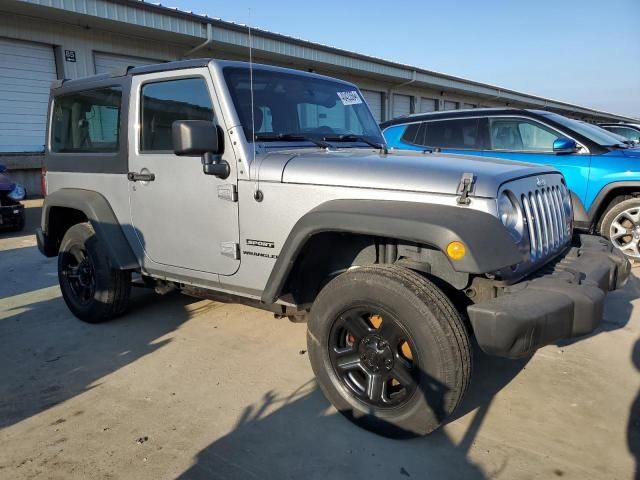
(93, 291)
(621, 225)
(402, 377)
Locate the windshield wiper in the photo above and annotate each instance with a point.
(356, 138)
(289, 137)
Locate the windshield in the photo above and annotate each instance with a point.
(290, 107)
(592, 132)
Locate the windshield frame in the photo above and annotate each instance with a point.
(372, 130)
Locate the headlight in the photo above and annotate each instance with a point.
(510, 216)
(17, 193)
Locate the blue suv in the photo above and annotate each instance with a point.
(602, 172)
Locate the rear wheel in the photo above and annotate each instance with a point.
(93, 291)
(389, 350)
(621, 224)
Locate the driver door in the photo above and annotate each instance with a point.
(182, 217)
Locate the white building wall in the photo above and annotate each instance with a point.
(84, 42)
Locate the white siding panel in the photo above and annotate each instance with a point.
(108, 62)
(401, 105)
(374, 100)
(26, 72)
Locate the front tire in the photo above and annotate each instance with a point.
(93, 291)
(389, 350)
(621, 225)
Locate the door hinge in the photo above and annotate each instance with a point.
(228, 192)
(230, 249)
(465, 187)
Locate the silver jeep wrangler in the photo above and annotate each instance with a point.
(274, 187)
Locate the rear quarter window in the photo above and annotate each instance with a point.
(87, 121)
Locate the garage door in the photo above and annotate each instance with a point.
(401, 105)
(26, 72)
(374, 100)
(449, 105)
(108, 62)
(428, 105)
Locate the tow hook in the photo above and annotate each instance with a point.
(465, 187)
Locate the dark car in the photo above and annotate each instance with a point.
(11, 210)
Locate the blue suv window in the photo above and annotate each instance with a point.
(521, 135)
(457, 134)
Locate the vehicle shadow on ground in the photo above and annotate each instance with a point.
(13, 264)
(302, 436)
(48, 356)
(633, 429)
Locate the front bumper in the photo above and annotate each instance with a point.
(565, 301)
(11, 214)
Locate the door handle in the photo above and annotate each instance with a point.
(141, 177)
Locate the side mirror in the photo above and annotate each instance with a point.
(564, 145)
(195, 138)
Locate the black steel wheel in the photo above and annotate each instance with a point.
(77, 273)
(389, 350)
(371, 352)
(93, 291)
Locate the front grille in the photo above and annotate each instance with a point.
(546, 220)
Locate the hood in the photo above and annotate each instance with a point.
(405, 171)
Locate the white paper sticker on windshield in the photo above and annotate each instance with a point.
(350, 98)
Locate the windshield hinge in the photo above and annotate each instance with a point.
(228, 192)
(465, 187)
(230, 249)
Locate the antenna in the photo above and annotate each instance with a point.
(257, 193)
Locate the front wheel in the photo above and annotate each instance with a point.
(621, 225)
(93, 291)
(389, 350)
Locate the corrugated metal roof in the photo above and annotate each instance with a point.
(171, 19)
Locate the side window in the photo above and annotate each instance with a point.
(164, 102)
(521, 135)
(87, 121)
(462, 134)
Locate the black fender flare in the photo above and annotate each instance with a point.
(489, 245)
(580, 215)
(100, 214)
